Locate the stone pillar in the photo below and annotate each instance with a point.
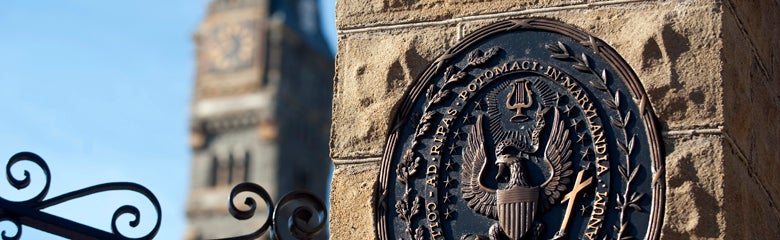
(710, 68)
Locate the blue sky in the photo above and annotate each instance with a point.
(101, 90)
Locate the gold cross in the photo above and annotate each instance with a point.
(571, 197)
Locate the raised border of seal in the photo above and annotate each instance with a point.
(625, 72)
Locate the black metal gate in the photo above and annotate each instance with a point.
(306, 218)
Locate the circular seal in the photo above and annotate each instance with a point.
(526, 129)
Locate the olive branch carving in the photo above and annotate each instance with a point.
(475, 58)
(419, 234)
(406, 211)
(408, 166)
(411, 160)
(628, 173)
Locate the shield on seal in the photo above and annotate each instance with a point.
(517, 208)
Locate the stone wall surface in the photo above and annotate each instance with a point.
(752, 107)
(694, 183)
(709, 67)
(373, 71)
(354, 216)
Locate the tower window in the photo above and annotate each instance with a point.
(229, 171)
(247, 160)
(223, 171)
(212, 177)
(232, 173)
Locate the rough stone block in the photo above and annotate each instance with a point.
(737, 85)
(748, 208)
(764, 155)
(694, 194)
(351, 201)
(759, 20)
(373, 72)
(752, 103)
(355, 14)
(674, 49)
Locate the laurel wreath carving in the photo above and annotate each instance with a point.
(419, 233)
(408, 166)
(451, 76)
(629, 198)
(406, 211)
(425, 125)
(411, 160)
(477, 57)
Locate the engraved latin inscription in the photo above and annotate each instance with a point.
(529, 133)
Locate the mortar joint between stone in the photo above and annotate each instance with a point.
(694, 131)
(356, 160)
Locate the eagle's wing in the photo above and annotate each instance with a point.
(478, 197)
(557, 154)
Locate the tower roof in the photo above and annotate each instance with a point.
(302, 16)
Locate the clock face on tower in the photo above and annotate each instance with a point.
(230, 47)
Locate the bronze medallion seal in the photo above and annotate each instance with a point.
(526, 129)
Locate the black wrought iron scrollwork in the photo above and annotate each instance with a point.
(29, 212)
(303, 212)
(306, 218)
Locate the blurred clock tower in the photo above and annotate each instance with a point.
(260, 110)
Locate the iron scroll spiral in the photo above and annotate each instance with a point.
(29, 212)
(303, 212)
(305, 220)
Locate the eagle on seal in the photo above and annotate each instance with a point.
(515, 205)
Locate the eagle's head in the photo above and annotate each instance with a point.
(509, 153)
